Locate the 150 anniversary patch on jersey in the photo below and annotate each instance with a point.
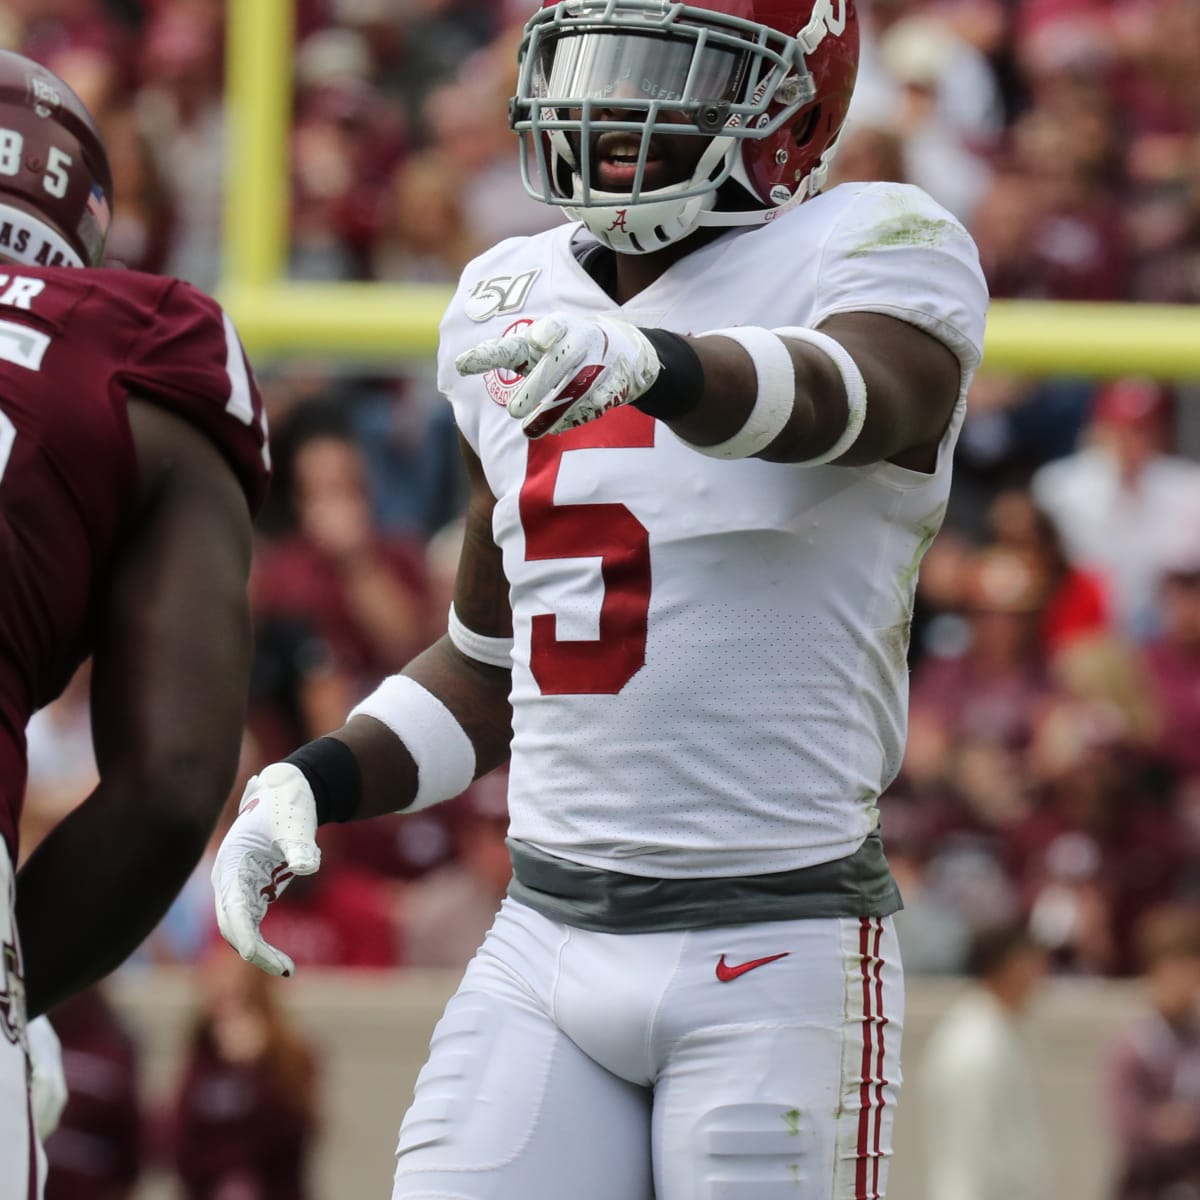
(500, 294)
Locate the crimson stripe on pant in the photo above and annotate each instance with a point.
(880, 1081)
(864, 1095)
(870, 1132)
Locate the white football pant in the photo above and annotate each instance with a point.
(750, 1062)
(22, 1160)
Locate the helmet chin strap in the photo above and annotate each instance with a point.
(645, 227)
(754, 216)
(810, 185)
(648, 226)
(660, 218)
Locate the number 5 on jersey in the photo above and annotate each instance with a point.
(609, 532)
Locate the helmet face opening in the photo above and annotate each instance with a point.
(737, 73)
(641, 67)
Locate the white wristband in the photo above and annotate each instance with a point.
(852, 379)
(776, 393)
(431, 733)
(494, 651)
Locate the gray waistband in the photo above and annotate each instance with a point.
(860, 885)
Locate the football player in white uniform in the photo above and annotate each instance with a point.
(709, 426)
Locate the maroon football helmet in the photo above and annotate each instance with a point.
(55, 182)
(766, 82)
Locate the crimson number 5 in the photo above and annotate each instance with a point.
(609, 532)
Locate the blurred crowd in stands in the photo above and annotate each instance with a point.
(1053, 771)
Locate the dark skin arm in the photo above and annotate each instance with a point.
(912, 387)
(170, 674)
(477, 694)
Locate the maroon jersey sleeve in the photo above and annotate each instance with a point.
(189, 359)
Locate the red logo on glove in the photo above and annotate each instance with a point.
(576, 388)
(279, 877)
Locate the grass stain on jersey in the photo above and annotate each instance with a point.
(926, 532)
(894, 640)
(792, 1120)
(909, 229)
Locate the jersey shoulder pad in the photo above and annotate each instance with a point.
(891, 248)
(189, 359)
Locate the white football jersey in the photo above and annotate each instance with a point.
(709, 669)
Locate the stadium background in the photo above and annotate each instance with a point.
(327, 168)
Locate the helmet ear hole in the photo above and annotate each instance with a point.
(806, 126)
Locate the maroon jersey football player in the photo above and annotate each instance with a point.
(132, 455)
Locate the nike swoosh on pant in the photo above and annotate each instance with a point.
(727, 973)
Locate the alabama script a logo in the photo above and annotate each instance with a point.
(619, 221)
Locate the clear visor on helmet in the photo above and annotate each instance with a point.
(613, 67)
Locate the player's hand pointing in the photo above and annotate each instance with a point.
(272, 840)
(575, 369)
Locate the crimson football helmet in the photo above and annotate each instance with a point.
(766, 82)
(55, 181)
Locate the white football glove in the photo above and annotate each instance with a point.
(272, 840)
(48, 1083)
(575, 368)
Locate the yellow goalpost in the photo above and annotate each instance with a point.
(399, 321)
